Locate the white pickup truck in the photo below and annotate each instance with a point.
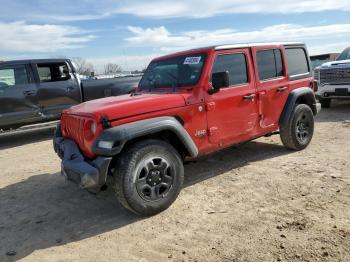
(334, 79)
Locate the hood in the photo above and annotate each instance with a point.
(127, 105)
(335, 64)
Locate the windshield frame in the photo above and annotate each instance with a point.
(174, 86)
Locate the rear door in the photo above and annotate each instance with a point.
(58, 88)
(272, 84)
(18, 95)
(232, 112)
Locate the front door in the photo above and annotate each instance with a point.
(18, 96)
(58, 89)
(272, 84)
(232, 112)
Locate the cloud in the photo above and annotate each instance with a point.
(22, 37)
(70, 18)
(39, 10)
(209, 8)
(62, 11)
(154, 36)
(328, 48)
(164, 40)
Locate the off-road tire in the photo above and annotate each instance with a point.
(290, 132)
(127, 176)
(325, 102)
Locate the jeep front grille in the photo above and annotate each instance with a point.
(73, 128)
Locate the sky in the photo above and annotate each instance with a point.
(130, 33)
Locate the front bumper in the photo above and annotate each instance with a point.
(91, 175)
(333, 91)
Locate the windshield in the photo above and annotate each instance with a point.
(345, 55)
(181, 71)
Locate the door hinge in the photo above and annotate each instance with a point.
(213, 135)
(210, 106)
(213, 131)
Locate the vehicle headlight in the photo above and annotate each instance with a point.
(90, 129)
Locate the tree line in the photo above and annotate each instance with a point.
(84, 67)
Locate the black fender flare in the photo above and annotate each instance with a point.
(118, 136)
(304, 95)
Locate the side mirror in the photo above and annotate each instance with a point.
(219, 80)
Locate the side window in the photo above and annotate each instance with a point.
(269, 64)
(44, 73)
(235, 65)
(13, 75)
(7, 77)
(297, 61)
(53, 72)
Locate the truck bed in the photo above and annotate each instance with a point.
(94, 89)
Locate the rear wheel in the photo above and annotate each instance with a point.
(148, 177)
(298, 132)
(325, 102)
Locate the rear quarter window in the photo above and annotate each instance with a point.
(297, 61)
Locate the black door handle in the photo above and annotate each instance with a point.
(249, 97)
(282, 89)
(29, 93)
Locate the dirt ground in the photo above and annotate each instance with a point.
(254, 202)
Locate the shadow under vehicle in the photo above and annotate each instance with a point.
(43, 218)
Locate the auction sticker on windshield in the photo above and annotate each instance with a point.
(192, 60)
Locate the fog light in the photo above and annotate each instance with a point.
(106, 144)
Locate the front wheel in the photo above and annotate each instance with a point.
(148, 177)
(298, 132)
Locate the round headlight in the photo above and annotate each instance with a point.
(90, 129)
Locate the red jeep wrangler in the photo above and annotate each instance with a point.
(187, 105)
